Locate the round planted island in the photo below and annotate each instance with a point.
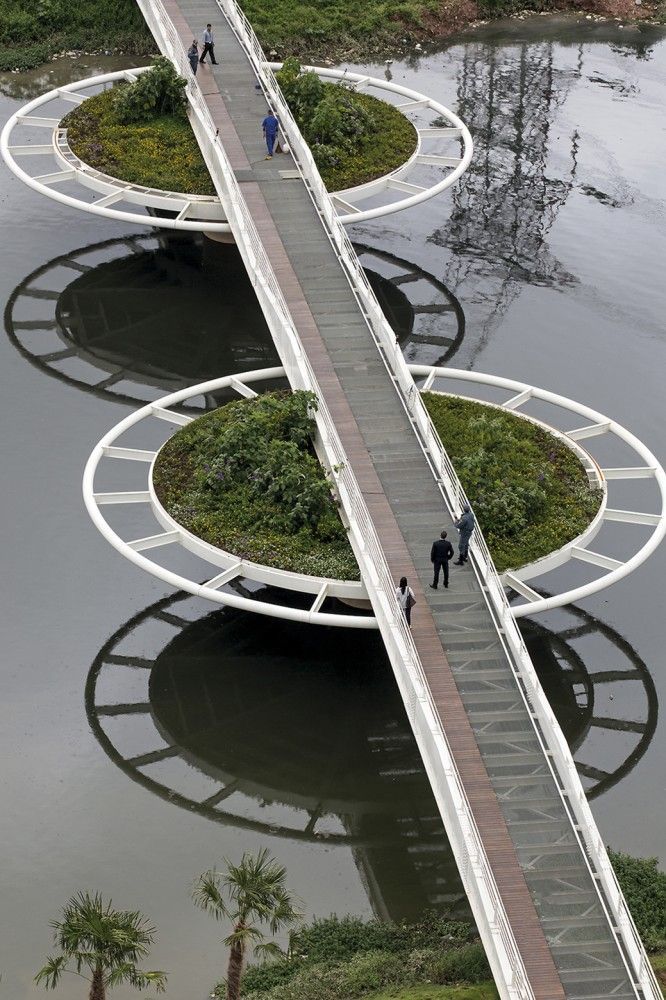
(245, 479)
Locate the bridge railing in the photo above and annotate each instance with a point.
(503, 952)
(548, 730)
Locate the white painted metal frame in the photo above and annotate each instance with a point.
(203, 212)
(354, 591)
(476, 873)
(191, 209)
(169, 532)
(596, 426)
(433, 148)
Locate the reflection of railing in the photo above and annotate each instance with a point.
(477, 876)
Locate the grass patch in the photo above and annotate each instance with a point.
(160, 153)
(31, 34)
(164, 153)
(246, 479)
(528, 490)
(314, 29)
(484, 991)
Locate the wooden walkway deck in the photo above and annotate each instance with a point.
(565, 940)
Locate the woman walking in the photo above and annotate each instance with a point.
(406, 599)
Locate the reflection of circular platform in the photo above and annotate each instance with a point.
(237, 725)
(110, 318)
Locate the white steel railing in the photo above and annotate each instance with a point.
(503, 952)
(546, 726)
(476, 872)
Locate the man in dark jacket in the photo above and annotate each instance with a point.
(465, 526)
(440, 554)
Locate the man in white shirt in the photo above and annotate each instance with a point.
(208, 45)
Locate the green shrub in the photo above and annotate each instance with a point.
(353, 137)
(31, 34)
(159, 153)
(160, 91)
(246, 479)
(528, 490)
(335, 940)
(644, 887)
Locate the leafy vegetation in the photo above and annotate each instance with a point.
(335, 959)
(644, 887)
(160, 91)
(101, 946)
(251, 895)
(160, 152)
(140, 133)
(528, 490)
(353, 137)
(31, 34)
(484, 991)
(246, 479)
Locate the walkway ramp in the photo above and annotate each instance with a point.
(550, 934)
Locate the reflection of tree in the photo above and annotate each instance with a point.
(506, 203)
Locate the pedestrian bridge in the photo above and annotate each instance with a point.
(552, 918)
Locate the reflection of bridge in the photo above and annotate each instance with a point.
(539, 882)
(164, 310)
(210, 692)
(545, 899)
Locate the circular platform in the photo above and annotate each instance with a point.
(432, 168)
(219, 569)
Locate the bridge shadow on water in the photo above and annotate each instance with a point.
(290, 732)
(130, 318)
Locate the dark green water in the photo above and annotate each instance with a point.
(545, 264)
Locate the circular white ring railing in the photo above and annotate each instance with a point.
(231, 568)
(204, 212)
(596, 426)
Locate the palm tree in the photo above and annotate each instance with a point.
(104, 942)
(249, 894)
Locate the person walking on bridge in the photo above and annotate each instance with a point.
(193, 56)
(208, 45)
(465, 525)
(440, 554)
(406, 599)
(270, 127)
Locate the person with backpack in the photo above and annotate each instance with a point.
(465, 525)
(193, 56)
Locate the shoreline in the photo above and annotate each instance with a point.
(457, 18)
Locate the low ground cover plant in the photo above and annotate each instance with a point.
(353, 137)
(644, 887)
(140, 132)
(528, 490)
(246, 479)
(32, 33)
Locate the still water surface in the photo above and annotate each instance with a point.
(546, 264)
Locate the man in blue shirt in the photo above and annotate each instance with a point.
(208, 45)
(270, 126)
